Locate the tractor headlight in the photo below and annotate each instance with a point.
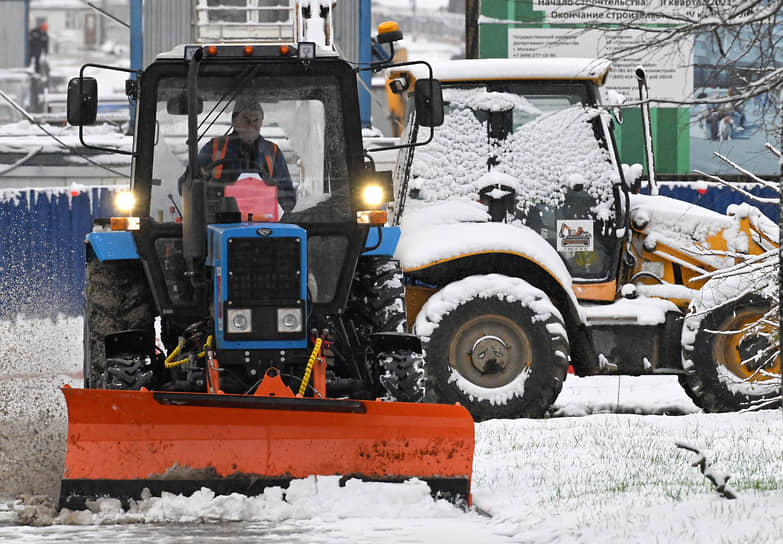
(372, 195)
(239, 321)
(289, 320)
(125, 201)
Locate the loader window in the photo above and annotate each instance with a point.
(545, 139)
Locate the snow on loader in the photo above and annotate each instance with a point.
(526, 247)
(229, 350)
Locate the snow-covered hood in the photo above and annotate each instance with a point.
(686, 226)
(459, 228)
(528, 68)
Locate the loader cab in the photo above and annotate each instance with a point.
(546, 140)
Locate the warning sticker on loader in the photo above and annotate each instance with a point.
(574, 235)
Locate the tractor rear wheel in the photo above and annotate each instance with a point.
(495, 344)
(377, 304)
(730, 348)
(116, 298)
(377, 299)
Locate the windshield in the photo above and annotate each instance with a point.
(543, 143)
(261, 139)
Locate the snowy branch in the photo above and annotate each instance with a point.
(719, 479)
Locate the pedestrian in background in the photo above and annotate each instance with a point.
(38, 45)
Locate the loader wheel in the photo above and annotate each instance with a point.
(116, 298)
(495, 344)
(730, 349)
(403, 375)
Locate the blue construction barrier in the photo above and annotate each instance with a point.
(42, 243)
(718, 197)
(42, 248)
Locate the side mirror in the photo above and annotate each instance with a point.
(82, 101)
(179, 105)
(429, 102)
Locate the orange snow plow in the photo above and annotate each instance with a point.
(121, 442)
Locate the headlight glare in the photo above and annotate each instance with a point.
(125, 201)
(372, 195)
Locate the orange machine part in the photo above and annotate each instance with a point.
(116, 437)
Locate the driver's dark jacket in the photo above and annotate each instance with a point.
(263, 157)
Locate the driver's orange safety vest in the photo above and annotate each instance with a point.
(218, 155)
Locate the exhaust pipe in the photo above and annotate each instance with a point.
(644, 96)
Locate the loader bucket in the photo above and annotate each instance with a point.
(121, 442)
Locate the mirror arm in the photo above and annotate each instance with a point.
(432, 129)
(81, 93)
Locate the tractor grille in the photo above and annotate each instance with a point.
(263, 270)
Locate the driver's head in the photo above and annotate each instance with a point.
(247, 118)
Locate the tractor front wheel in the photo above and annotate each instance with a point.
(116, 298)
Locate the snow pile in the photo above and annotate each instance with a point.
(659, 395)
(314, 497)
(37, 357)
(24, 136)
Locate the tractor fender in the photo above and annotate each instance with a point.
(111, 246)
(381, 241)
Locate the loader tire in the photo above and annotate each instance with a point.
(116, 298)
(403, 376)
(495, 344)
(722, 333)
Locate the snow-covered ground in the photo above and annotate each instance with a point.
(603, 468)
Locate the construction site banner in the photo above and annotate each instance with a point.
(684, 138)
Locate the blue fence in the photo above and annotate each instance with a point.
(42, 249)
(42, 243)
(719, 197)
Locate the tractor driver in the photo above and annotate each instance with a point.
(245, 150)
